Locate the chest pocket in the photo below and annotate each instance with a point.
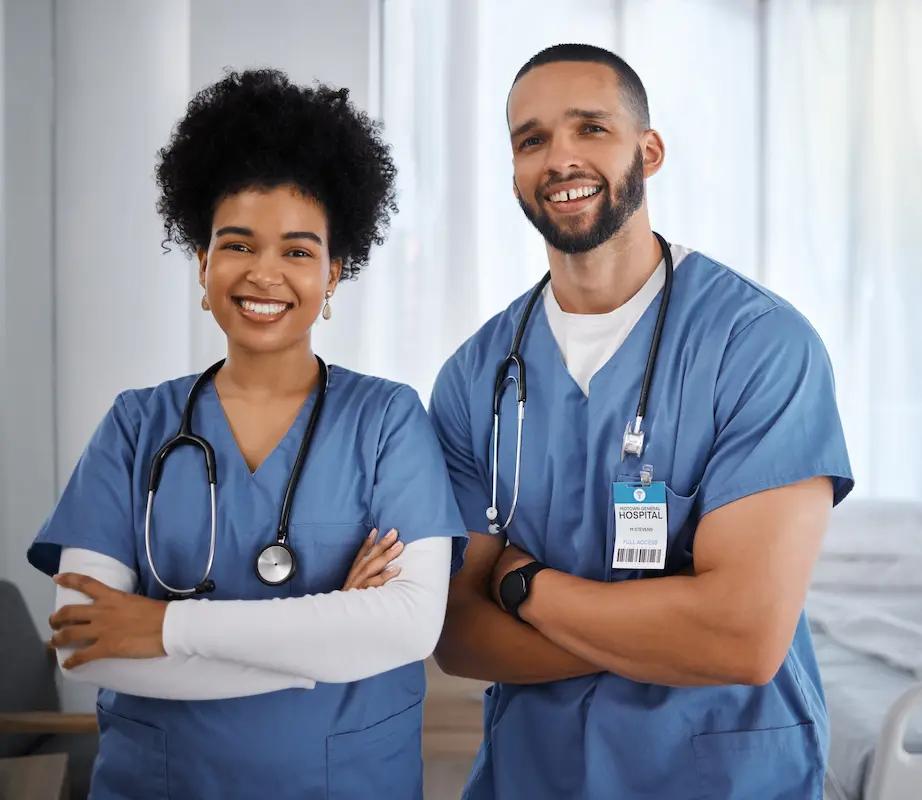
(325, 552)
(681, 523)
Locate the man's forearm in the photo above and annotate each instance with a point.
(483, 642)
(661, 630)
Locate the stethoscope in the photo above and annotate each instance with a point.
(633, 440)
(276, 562)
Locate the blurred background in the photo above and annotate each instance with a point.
(793, 133)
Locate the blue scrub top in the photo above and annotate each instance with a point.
(742, 400)
(374, 462)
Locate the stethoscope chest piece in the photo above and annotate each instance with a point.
(275, 564)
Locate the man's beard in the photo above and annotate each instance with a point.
(615, 212)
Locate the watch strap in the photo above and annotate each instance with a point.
(527, 572)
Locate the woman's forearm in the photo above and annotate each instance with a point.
(171, 677)
(337, 637)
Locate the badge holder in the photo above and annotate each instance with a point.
(641, 526)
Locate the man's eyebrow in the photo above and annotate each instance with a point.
(525, 127)
(590, 113)
(573, 113)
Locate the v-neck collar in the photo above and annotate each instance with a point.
(638, 339)
(289, 443)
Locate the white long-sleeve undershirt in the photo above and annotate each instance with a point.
(220, 649)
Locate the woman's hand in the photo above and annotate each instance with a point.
(115, 625)
(370, 565)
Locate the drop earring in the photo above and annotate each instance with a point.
(327, 311)
(205, 306)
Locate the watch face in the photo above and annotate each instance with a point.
(512, 590)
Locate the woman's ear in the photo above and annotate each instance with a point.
(336, 272)
(202, 256)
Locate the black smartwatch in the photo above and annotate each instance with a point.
(513, 588)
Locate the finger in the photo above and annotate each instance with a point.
(72, 615)
(367, 544)
(84, 656)
(381, 546)
(375, 565)
(370, 550)
(381, 578)
(72, 636)
(83, 583)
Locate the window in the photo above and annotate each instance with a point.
(791, 134)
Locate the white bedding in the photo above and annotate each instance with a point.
(888, 627)
(866, 593)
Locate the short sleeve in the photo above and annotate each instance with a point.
(95, 510)
(449, 410)
(776, 415)
(412, 491)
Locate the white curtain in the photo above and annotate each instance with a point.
(843, 190)
(793, 133)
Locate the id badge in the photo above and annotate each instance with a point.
(641, 530)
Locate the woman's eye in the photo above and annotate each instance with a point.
(299, 253)
(240, 248)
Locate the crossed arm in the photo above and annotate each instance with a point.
(201, 650)
(172, 677)
(732, 622)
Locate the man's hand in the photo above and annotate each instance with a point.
(115, 625)
(511, 559)
(732, 622)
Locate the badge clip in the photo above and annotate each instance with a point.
(646, 475)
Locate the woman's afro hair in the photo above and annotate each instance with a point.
(257, 130)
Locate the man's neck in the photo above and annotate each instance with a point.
(607, 277)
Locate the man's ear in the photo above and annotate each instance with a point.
(654, 153)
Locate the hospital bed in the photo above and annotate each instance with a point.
(865, 614)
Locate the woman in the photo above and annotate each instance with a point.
(261, 682)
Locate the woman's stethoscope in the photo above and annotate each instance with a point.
(276, 563)
(633, 441)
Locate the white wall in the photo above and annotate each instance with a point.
(335, 43)
(89, 302)
(27, 420)
(121, 72)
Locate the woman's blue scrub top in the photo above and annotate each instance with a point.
(374, 462)
(742, 400)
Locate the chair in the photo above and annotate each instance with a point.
(31, 720)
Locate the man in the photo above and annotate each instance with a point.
(644, 627)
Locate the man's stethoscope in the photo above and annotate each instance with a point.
(276, 562)
(633, 441)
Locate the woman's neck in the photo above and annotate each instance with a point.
(293, 371)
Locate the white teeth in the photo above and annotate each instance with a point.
(269, 309)
(574, 194)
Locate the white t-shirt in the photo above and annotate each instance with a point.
(588, 341)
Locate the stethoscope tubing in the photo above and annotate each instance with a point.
(517, 360)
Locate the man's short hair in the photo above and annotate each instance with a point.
(633, 94)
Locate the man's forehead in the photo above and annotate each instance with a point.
(548, 91)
